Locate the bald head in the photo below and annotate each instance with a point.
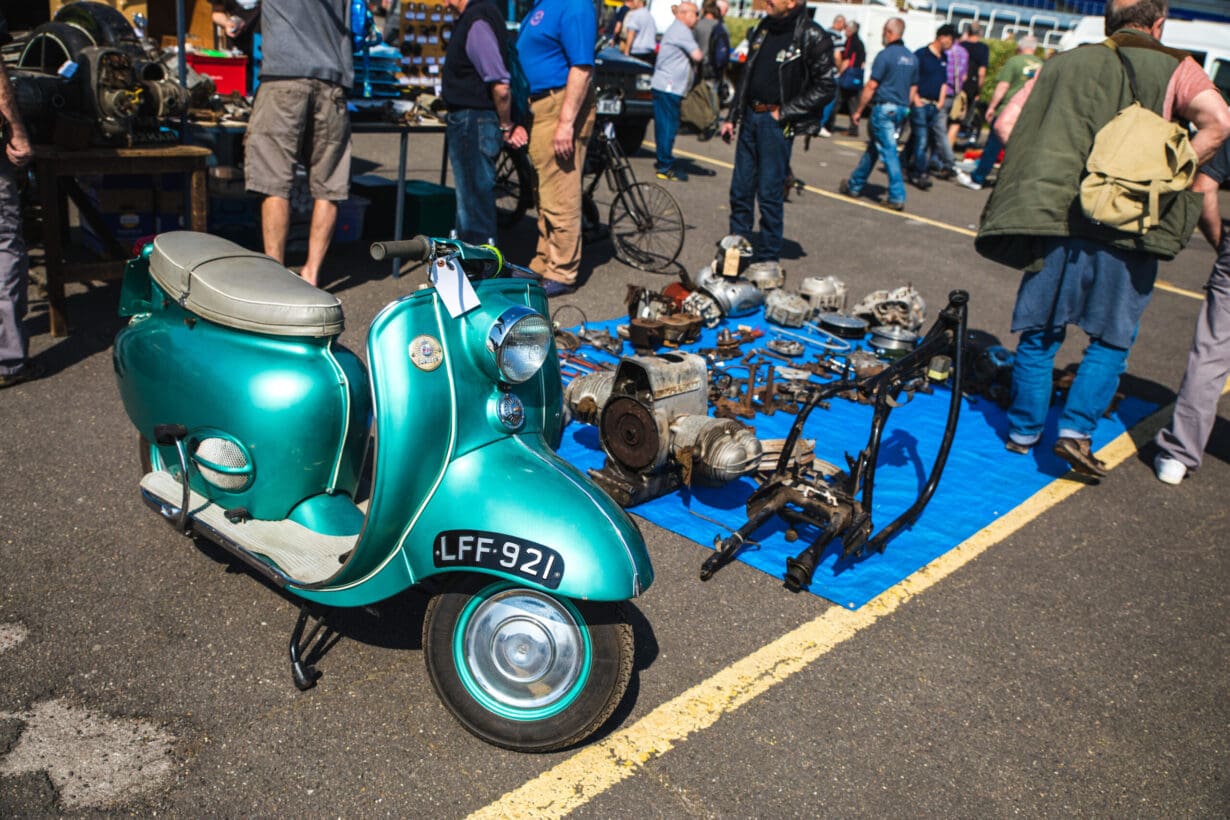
(896, 27)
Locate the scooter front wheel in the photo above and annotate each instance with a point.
(523, 669)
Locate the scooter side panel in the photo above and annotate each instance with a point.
(292, 403)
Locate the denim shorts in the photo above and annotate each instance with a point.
(300, 120)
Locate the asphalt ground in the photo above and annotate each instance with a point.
(1071, 660)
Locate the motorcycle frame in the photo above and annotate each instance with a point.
(844, 510)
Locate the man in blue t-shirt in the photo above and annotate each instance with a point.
(1182, 443)
(928, 122)
(556, 49)
(893, 83)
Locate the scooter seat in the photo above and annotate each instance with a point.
(232, 286)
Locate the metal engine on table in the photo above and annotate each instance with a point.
(732, 285)
(652, 416)
(86, 76)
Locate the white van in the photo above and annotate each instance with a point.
(920, 26)
(1208, 43)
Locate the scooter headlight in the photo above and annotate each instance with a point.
(519, 340)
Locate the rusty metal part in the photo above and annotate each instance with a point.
(645, 335)
(680, 329)
(729, 346)
(647, 304)
(630, 432)
(785, 347)
(742, 408)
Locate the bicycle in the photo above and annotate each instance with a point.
(645, 222)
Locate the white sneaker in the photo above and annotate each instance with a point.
(1169, 470)
(968, 181)
(826, 133)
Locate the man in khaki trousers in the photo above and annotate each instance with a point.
(556, 49)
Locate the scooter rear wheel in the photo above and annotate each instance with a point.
(523, 669)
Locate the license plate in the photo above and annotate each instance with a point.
(496, 551)
(610, 107)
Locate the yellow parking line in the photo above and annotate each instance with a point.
(839, 197)
(596, 768)
(1160, 284)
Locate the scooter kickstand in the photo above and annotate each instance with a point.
(303, 673)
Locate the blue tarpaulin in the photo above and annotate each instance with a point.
(982, 481)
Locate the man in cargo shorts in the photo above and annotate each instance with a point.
(300, 114)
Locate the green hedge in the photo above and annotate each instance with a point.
(739, 27)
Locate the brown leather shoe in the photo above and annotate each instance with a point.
(1018, 448)
(1076, 452)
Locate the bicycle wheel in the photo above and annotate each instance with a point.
(514, 186)
(646, 227)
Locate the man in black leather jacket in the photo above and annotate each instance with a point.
(787, 81)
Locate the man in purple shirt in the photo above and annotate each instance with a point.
(958, 73)
(475, 88)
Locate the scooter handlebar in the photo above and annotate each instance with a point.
(415, 250)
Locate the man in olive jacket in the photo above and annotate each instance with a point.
(786, 83)
(1077, 271)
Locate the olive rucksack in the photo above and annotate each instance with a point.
(1139, 162)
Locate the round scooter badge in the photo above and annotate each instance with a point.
(426, 353)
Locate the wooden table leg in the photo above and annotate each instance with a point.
(53, 253)
(200, 201)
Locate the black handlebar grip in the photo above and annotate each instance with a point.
(416, 249)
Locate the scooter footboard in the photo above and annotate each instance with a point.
(515, 510)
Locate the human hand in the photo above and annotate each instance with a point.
(563, 140)
(726, 131)
(516, 137)
(18, 149)
(775, 113)
(855, 117)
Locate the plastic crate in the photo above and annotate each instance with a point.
(429, 208)
(350, 214)
(228, 73)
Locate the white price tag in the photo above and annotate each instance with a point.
(454, 287)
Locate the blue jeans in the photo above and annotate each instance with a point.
(473, 146)
(666, 107)
(1032, 385)
(14, 275)
(762, 157)
(922, 121)
(990, 153)
(886, 120)
(828, 118)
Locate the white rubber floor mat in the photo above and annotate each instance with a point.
(305, 556)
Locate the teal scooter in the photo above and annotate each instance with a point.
(346, 484)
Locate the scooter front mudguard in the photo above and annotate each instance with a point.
(516, 510)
